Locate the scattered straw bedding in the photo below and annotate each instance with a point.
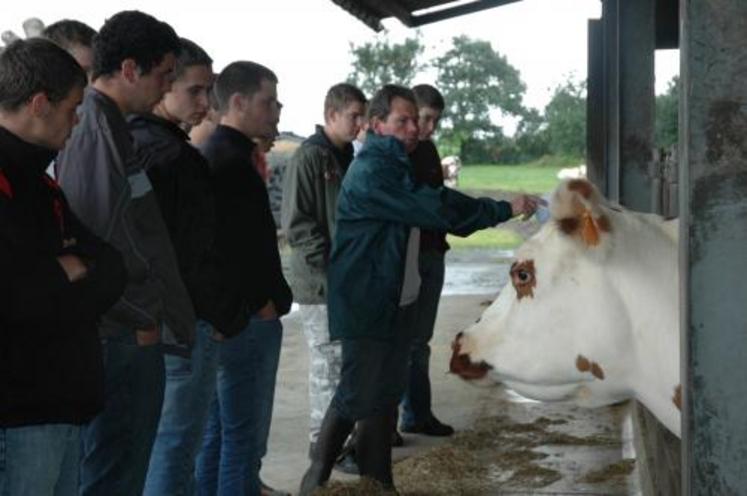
(496, 455)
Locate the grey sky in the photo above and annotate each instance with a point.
(306, 42)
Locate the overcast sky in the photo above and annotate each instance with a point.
(306, 42)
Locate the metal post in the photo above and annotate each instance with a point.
(713, 211)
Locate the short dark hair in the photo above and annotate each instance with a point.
(240, 77)
(37, 65)
(428, 96)
(132, 34)
(67, 33)
(191, 54)
(381, 103)
(341, 95)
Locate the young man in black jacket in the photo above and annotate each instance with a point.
(57, 279)
(252, 285)
(181, 181)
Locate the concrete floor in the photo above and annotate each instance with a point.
(455, 403)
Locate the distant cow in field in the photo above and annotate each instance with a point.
(592, 313)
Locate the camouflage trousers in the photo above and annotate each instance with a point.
(325, 363)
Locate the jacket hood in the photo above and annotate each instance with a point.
(343, 156)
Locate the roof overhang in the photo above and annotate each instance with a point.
(414, 13)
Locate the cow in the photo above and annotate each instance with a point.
(591, 312)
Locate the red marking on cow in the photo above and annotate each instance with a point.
(461, 365)
(523, 278)
(582, 187)
(583, 364)
(590, 230)
(677, 398)
(5, 187)
(596, 371)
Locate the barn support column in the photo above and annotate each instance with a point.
(596, 170)
(611, 95)
(713, 209)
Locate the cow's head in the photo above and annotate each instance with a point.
(560, 329)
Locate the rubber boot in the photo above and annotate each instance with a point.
(332, 435)
(374, 449)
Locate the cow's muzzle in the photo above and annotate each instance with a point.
(461, 364)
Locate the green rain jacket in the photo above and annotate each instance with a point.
(379, 203)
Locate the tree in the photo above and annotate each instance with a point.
(381, 62)
(565, 116)
(476, 81)
(667, 113)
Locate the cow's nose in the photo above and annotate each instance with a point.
(461, 365)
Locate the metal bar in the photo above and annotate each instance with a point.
(612, 98)
(459, 10)
(595, 130)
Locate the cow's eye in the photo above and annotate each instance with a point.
(524, 276)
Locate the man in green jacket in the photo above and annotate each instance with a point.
(312, 185)
(374, 280)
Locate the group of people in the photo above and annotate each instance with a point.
(142, 286)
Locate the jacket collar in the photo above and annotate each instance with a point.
(21, 156)
(235, 137)
(389, 145)
(343, 156)
(147, 120)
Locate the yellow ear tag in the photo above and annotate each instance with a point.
(589, 229)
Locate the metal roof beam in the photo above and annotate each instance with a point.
(449, 12)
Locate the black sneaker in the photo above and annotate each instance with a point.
(347, 464)
(268, 491)
(433, 427)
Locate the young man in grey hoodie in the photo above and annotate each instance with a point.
(134, 56)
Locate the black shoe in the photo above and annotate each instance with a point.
(268, 491)
(347, 464)
(397, 440)
(432, 427)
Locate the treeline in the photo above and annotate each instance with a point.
(481, 87)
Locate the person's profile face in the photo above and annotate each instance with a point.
(58, 119)
(188, 101)
(347, 123)
(402, 123)
(428, 119)
(151, 87)
(261, 111)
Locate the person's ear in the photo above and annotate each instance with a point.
(39, 104)
(129, 70)
(329, 115)
(376, 125)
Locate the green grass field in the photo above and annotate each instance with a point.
(535, 177)
(538, 177)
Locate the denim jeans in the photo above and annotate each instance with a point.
(190, 386)
(118, 442)
(374, 371)
(238, 425)
(416, 403)
(39, 460)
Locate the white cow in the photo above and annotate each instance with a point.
(593, 313)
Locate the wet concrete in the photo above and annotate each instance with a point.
(595, 466)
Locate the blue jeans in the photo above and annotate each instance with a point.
(241, 412)
(416, 403)
(190, 386)
(39, 460)
(118, 442)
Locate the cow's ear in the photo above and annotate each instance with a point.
(577, 208)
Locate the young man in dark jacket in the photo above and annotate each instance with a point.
(374, 280)
(417, 416)
(57, 279)
(252, 285)
(181, 181)
(134, 56)
(312, 185)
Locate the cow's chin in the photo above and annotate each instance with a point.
(555, 392)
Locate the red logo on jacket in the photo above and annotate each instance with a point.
(56, 201)
(5, 187)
